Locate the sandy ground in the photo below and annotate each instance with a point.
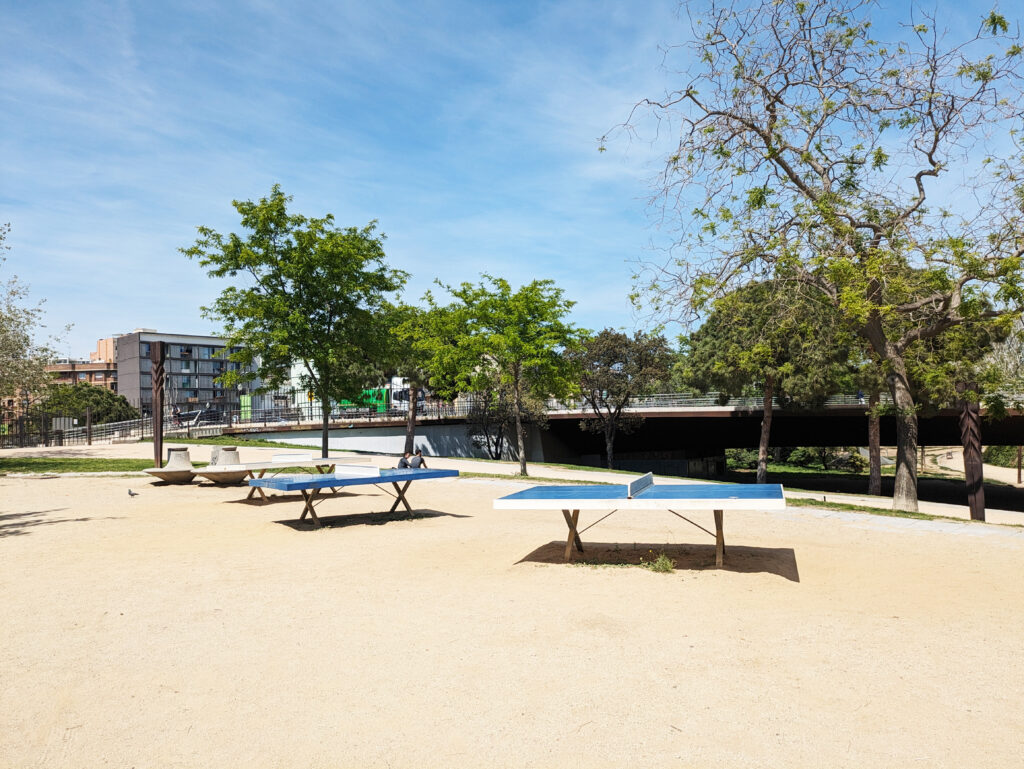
(184, 627)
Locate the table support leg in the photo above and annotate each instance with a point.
(719, 540)
(400, 497)
(320, 469)
(572, 521)
(309, 495)
(254, 489)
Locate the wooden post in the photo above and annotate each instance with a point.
(970, 437)
(88, 425)
(1018, 465)
(156, 356)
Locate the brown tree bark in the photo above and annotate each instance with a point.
(520, 437)
(874, 446)
(904, 494)
(766, 428)
(609, 445)
(970, 437)
(410, 419)
(325, 411)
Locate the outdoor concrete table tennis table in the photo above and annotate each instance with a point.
(311, 485)
(643, 494)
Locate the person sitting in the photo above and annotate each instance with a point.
(417, 461)
(403, 463)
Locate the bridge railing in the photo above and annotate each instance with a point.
(707, 400)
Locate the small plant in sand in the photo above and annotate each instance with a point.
(661, 563)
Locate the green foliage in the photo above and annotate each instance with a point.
(22, 358)
(660, 563)
(613, 369)
(491, 338)
(1001, 456)
(73, 400)
(768, 332)
(828, 458)
(740, 459)
(302, 291)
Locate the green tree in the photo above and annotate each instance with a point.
(23, 360)
(409, 325)
(305, 291)
(770, 336)
(492, 337)
(73, 400)
(863, 167)
(614, 368)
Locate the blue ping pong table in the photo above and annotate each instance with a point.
(644, 494)
(311, 485)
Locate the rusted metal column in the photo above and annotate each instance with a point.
(156, 357)
(970, 437)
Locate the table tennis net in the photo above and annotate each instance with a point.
(635, 487)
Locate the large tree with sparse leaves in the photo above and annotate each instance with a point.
(884, 174)
(23, 357)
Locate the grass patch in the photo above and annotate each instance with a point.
(74, 465)
(237, 440)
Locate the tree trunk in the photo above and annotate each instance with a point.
(904, 493)
(325, 412)
(874, 446)
(970, 437)
(766, 429)
(520, 431)
(410, 421)
(609, 444)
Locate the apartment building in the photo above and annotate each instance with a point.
(191, 365)
(98, 373)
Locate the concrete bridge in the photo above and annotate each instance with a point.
(680, 433)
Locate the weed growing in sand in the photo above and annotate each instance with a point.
(661, 563)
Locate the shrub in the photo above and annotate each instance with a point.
(1002, 456)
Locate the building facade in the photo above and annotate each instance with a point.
(98, 373)
(191, 366)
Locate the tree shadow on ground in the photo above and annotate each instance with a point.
(18, 524)
(364, 519)
(780, 561)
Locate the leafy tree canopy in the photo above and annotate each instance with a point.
(73, 400)
(303, 291)
(492, 336)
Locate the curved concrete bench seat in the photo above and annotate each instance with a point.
(178, 468)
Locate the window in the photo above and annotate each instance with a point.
(143, 349)
(98, 376)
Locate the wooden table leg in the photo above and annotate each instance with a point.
(254, 489)
(309, 495)
(400, 497)
(719, 540)
(572, 521)
(330, 469)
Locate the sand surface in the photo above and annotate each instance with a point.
(185, 627)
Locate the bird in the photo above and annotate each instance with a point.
(132, 493)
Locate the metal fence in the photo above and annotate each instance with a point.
(40, 428)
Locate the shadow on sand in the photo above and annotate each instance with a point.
(780, 561)
(17, 524)
(364, 519)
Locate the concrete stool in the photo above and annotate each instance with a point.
(228, 455)
(178, 468)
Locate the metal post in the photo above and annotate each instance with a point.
(88, 425)
(1018, 464)
(156, 355)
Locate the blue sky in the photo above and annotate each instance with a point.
(468, 129)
